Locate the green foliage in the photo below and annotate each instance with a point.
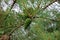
(27, 23)
(40, 23)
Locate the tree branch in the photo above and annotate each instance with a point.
(49, 4)
(14, 1)
(15, 29)
(57, 20)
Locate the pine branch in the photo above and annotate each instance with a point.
(7, 36)
(15, 29)
(49, 4)
(54, 20)
(14, 1)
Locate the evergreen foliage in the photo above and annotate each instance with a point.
(35, 22)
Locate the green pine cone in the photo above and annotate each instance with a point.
(27, 23)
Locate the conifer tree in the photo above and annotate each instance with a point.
(29, 20)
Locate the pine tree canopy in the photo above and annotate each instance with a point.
(29, 19)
